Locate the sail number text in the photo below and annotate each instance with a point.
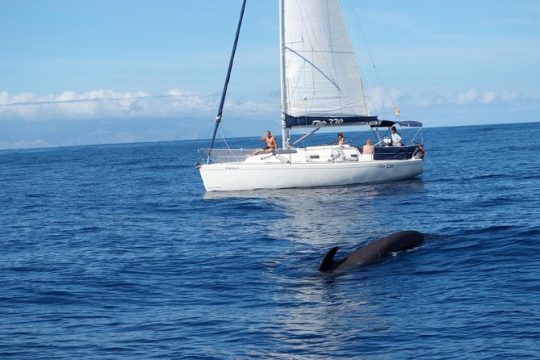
(335, 121)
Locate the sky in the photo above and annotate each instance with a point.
(77, 72)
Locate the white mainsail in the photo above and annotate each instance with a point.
(321, 73)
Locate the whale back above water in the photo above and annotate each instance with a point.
(373, 252)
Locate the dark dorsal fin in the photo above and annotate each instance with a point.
(328, 263)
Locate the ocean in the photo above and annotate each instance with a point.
(117, 252)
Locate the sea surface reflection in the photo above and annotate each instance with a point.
(323, 216)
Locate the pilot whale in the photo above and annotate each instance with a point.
(373, 252)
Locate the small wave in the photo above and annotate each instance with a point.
(250, 207)
(23, 269)
(491, 176)
(431, 273)
(52, 297)
(528, 233)
(498, 201)
(36, 196)
(497, 176)
(527, 176)
(89, 229)
(168, 167)
(491, 229)
(432, 237)
(129, 162)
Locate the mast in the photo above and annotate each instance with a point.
(284, 129)
(228, 77)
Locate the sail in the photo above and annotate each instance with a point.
(322, 84)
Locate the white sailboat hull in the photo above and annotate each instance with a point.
(245, 176)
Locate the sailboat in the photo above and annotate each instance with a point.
(321, 88)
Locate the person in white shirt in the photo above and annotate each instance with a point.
(396, 139)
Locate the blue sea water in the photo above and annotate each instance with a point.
(117, 252)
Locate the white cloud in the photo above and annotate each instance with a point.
(109, 104)
(177, 103)
(468, 97)
(455, 108)
(380, 98)
(488, 97)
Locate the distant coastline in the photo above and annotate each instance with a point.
(241, 139)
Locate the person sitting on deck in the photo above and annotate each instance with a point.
(340, 139)
(420, 152)
(368, 148)
(396, 139)
(271, 145)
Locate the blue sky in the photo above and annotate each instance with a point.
(82, 72)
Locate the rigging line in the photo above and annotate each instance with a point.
(311, 42)
(331, 38)
(307, 42)
(224, 139)
(292, 89)
(363, 79)
(314, 66)
(377, 75)
(362, 66)
(382, 109)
